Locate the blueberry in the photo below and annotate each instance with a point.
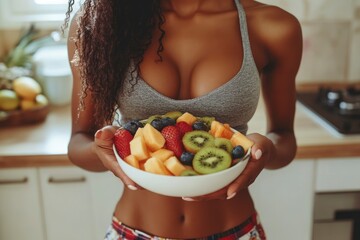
(157, 124)
(200, 126)
(186, 158)
(168, 121)
(238, 152)
(133, 126)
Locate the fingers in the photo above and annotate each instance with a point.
(256, 163)
(258, 148)
(243, 181)
(263, 146)
(104, 142)
(104, 136)
(118, 172)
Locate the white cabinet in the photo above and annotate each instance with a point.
(20, 205)
(337, 199)
(67, 204)
(56, 203)
(284, 200)
(106, 190)
(338, 175)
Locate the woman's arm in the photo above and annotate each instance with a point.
(81, 145)
(281, 38)
(88, 148)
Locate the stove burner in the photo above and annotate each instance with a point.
(344, 101)
(339, 107)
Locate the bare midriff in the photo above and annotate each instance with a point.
(174, 217)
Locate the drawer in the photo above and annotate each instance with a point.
(340, 175)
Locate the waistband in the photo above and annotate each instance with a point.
(128, 233)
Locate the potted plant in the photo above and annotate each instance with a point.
(21, 98)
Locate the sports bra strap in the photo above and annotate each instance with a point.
(243, 29)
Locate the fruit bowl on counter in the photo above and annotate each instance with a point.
(22, 117)
(181, 155)
(22, 102)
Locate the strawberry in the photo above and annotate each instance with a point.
(122, 138)
(183, 127)
(173, 140)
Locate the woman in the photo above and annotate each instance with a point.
(207, 57)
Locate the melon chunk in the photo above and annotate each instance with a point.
(227, 133)
(240, 139)
(174, 166)
(219, 130)
(162, 154)
(154, 165)
(153, 138)
(139, 132)
(187, 117)
(131, 159)
(141, 165)
(138, 148)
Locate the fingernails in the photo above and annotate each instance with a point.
(188, 199)
(132, 187)
(231, 196)
(258, 154)
(98, 133)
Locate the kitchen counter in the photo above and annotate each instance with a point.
(45, 144)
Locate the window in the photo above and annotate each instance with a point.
(45, 13)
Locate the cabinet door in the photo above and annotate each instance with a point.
(284, 200)
(106, 190)
(20, 209)
(67, 203)
(338, 175)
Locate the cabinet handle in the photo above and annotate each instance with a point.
(14, 181)
(66, 180)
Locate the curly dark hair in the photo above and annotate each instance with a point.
(111, 35)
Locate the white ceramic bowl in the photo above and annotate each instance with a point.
(183, 186)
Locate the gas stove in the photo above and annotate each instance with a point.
(339, 108)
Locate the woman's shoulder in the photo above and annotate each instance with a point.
(275, 29)
(269, 21)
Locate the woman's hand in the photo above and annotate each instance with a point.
(104, 149)
(261, 153)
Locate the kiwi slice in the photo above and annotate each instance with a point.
(174, 114)
(195, 140)
(223, 143)
(211, 160)
(188, 172)
(206, 120)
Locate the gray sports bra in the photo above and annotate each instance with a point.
(234, 102)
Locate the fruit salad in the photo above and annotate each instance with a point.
(180, 144)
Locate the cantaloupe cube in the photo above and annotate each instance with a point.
(153, 138)
(139, 132)
(213, 127)
(174, 166)
(162, 154)
(240, 139)
(219, 131)
(141, 165)
(227, 133)
(131, 159)
(187, 117)
(154, 165)
(138, 148)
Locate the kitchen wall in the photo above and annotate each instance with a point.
(9, 37)
(331, 31)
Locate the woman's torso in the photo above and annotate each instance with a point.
(208, 69)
